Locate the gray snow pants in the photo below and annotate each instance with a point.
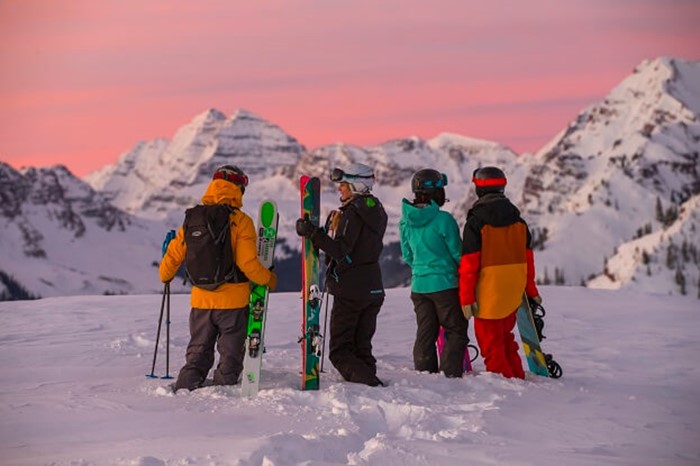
(225, 328)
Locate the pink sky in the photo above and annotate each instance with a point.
(82, 81)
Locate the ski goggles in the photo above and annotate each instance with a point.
(338, 175)
(231, 176)
(441, 183)
(487, 182)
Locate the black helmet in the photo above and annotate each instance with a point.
(428, 184)
(489, 180)
(232, 174)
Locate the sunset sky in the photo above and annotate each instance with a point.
(82, 81)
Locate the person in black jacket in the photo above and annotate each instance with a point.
(353, 275)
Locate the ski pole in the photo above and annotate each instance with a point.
(167, 339)
(166, 288)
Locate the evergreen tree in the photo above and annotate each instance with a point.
(680, 280)
(659, 211)
(13, 290)
(559, 276)
(670, 216)
(685, 252)
(671, 255)
(546, 280)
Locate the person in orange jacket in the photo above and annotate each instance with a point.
(220, 316)
(496, 268)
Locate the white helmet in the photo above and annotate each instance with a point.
(359, 176)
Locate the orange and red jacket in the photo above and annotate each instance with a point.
(497, 264)
(243, 243)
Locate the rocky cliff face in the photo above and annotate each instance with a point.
(59, 236)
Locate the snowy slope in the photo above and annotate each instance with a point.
(73, 392)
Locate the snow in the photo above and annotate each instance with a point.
(73, 391)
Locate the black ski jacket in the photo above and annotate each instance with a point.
(355, 248)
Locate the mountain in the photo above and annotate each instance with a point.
(160, 177)
(601, 183)
(619, 184)
(61, 237)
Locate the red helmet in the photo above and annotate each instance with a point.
(232, 174)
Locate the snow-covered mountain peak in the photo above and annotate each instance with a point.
(452, 139)
(156, 178)
(208, 117)
(604, 173)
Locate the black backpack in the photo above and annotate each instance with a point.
(209, 261)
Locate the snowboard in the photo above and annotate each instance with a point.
(440, 343)
(311, 339)
(531, 336)
(268, 218)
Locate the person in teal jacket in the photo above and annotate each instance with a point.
(431, 246)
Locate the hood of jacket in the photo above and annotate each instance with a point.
(418, 216)
(223, 192)
(495, 209)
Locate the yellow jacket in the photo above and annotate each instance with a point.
(243, 243)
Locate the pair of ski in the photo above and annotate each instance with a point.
(311, 339)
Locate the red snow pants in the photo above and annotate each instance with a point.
(498, 346)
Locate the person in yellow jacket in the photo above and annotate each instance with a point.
(220, 316)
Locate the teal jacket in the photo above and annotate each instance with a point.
(431, 246)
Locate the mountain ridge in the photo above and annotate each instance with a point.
(599, 184)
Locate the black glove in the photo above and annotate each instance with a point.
(305, 227)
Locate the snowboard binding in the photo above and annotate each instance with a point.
(538, 313)
(476, 352)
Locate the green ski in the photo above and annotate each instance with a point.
(268, 218)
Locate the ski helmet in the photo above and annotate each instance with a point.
(428, 184)
(359, 176)
(233, 174)
(489, 180)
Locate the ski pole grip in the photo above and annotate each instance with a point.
(168, 238)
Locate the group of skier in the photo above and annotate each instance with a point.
(483, 275)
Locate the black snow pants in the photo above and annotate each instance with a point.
(433, 310)
(353, 323)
